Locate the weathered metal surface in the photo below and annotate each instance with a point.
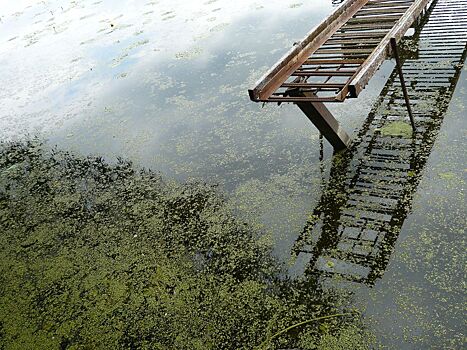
(339, 56)
(299, 54)
(382, 51)
(322, 118)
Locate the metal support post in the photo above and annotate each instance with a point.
(323, 119)
(401, 76)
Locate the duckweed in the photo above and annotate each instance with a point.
(397, 128)
(104, 256)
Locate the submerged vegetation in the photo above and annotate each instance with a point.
(397, 128)
(102, 256)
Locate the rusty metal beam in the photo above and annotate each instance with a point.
(324, 121)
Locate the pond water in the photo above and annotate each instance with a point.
(164, 84)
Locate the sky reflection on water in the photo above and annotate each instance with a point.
(126, 76)
(164, 83)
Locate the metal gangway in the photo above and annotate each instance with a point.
(337, 59)
(354, 227)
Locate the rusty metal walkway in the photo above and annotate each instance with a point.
(337, 59)
(353, 234)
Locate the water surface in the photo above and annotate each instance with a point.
(163, 84)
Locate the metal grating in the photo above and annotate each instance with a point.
(378, 176)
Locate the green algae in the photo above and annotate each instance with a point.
(101, 256)
(349, 338)
(447, 176)
(397, 129)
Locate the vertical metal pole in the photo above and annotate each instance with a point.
(401, 76)
(321, 147)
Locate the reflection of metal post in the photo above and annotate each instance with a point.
(321, 147)
(401, 76)
(321, 160)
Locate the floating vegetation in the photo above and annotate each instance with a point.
(220, 27)
(397, 128)
(104, 256)
(99, 255)
(126, 52)
(190, 54)
(296, 5)
(447, 176)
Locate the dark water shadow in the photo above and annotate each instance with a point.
(354, 227)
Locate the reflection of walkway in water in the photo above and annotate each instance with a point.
(353, 229)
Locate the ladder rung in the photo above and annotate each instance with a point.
(371, 35)
(312, 85)
(344, 51)
(323, 73)
(302, 99)
(318, 61)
